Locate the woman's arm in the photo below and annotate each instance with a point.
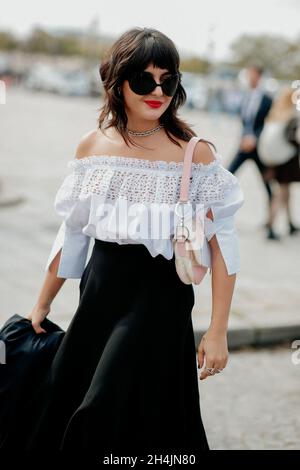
(222, 289)
(213, 346)
(224, 259)
(70, 247)
(51, 286)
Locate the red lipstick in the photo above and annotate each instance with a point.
(153, 104)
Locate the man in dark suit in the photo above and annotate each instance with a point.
(254, 109)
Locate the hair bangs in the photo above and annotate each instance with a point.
(153, 50)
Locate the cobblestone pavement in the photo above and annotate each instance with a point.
(254, 403)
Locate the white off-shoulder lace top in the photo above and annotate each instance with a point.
(102, 189)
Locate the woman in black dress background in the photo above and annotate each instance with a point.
(125, 375)
(284, 112)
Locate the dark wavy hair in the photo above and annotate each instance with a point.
(133, 52)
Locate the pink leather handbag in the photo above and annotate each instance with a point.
(189, 232)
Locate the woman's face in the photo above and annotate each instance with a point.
(136, 105)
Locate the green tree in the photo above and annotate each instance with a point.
(8, 41)
(275, 53)
(195, 64)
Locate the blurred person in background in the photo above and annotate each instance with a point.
(279, 149)
(254, 108)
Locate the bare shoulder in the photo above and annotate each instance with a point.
(88, 143)
(203, 153)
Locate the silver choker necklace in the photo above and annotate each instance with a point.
(150, 132)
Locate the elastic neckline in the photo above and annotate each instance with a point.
(146, 162)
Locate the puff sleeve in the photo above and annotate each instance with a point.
(221, 192)
(70, 238)
(223, 226)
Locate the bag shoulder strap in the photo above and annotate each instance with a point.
(187, 166)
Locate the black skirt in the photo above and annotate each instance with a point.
(288, 172)
(125, 374)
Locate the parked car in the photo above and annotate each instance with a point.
(75, 83)
(78, 82)
(46, 78)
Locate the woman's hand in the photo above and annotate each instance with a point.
(248, 143)
(37, 315)
(214, 350)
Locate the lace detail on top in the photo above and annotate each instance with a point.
(144, 181)
(135, 162)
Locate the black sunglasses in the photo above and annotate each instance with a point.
(143, 83)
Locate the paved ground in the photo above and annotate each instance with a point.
(255, 403)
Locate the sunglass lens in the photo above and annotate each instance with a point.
(142, 83)
(169, 85)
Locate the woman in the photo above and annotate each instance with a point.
(284, 119)
(125, 374)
